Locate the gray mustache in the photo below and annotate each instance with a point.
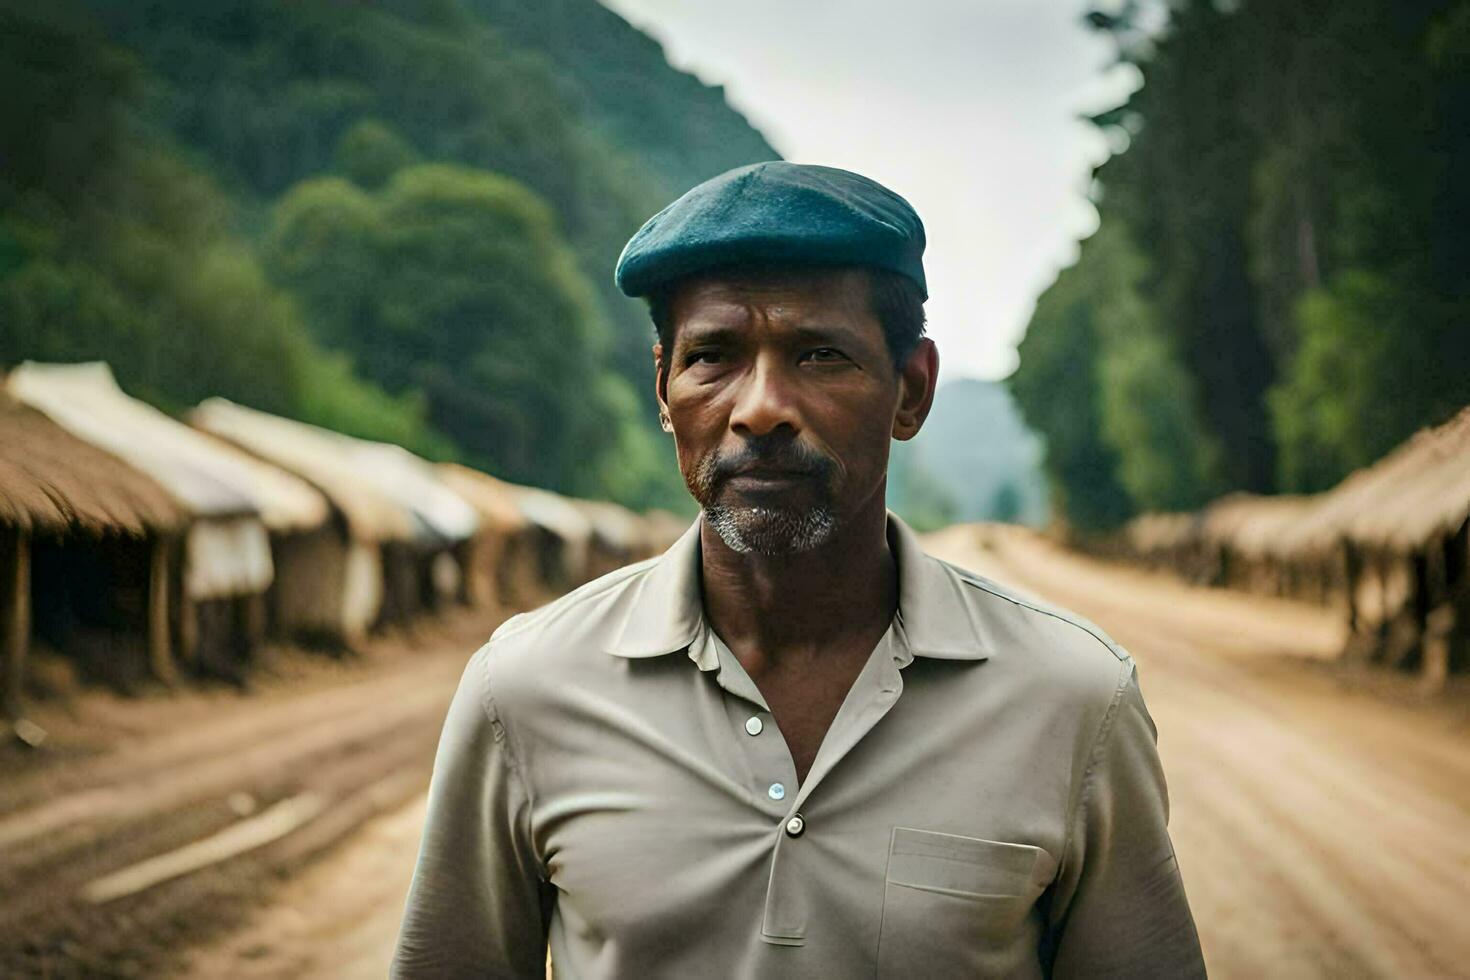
(786, 456)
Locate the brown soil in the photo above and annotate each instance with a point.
(121, 780)
(1321, 813)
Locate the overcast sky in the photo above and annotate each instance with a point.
(968, 108)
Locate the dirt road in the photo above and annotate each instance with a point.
(1322, 816)
(149, 826)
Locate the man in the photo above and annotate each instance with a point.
(795, 745)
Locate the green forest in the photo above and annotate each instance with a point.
(395, 219)
(1278, 292)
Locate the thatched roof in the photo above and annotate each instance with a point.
(1419, 490)
(1155, 531)
(51, 481)
(554, 513)
(207, 476)
(664, 528)
(491, 498)
(1254, 525)
(318, 455)
(386, 491)
(614, 527)
(442, 514)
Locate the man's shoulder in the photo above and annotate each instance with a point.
(569, 633)
(1052, 644)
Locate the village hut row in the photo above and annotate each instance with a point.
(137, 544)
(1389, 546)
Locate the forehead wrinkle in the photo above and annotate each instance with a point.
(729, 310)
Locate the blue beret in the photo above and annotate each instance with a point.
(776, 212)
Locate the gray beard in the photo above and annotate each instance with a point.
(770, 531)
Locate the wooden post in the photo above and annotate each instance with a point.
(189, 631)
(1352, 571)
(160, 657)
(254, 626)
(1439, 619)
(15, 614)
(1439, 627)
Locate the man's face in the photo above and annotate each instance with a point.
(783, 397)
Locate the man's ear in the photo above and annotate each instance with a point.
(917, 382)
(661, 388)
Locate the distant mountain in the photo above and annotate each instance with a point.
(620, 77)
(976, 453)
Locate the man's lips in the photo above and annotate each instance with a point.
(759, 476)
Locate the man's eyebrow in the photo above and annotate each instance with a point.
(694, 333)
(822, 332)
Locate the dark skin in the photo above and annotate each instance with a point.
(797, 356)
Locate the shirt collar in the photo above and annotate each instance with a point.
(666, 614)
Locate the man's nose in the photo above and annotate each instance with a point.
(765, 402)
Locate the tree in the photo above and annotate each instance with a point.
(456, 282)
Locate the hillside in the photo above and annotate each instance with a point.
(398, 219)
(668, 119)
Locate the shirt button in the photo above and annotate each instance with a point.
(795, 826)
(776, 791)
(753, 725)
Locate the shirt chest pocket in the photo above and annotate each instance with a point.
(959, 906)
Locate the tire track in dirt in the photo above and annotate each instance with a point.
(362, 745)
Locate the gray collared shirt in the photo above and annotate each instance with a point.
(987, 802)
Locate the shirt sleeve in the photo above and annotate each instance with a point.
(477, 905)
(1121, 909)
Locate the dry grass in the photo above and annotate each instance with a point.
(51, 481)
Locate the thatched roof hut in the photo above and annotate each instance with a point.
(233, 496)
(318, 455)
(210, 478)
(399, 515)
(1417, 492)
(505, 567)
(1251, 525)
(237, 502)
(414, 483)
(619, 536)
(1429, 498)
(385, 492)
(664, 528)
(61, 496)
(1158, 532)
(566, 535)
(492, 499)
(51, 481)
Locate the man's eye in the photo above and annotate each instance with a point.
(825, 355)
(705, 356)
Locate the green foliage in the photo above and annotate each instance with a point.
(1095, 340)
(146, 144)
(65, 110)
(680, 127)
(1373, 360)
(268, 91)
(133, 260)
(455, 282)
(1057, 389)
(1166, 458)
(144, 162)
(371, 152)
(1293, 188)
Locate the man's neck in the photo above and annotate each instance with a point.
(799, 605)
